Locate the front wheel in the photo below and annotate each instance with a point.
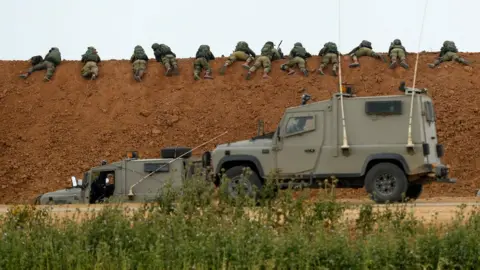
(386, 182)
(243, 182)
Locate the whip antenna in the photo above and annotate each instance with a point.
(409, 141)
(345, 141)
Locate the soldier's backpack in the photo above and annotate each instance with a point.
(241, 46)
(164, 49)
(300, 52)
(366, 43)
(450, 46)
(267, 50)
(331, 47)
(37, 59)
(139, 53)
(203, 51)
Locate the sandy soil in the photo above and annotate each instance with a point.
(50, 131)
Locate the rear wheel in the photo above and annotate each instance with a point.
(386, 182)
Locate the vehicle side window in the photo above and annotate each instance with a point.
(299, 124)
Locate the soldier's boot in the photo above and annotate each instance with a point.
(46, 79)
(223, 69)
(404, 64)
(434, 64)
(93, 77)
(246, 65)
(320, 70)
(249, 75)
(175, 70)
(393, 64)
(168, 72)
(25, 75)
(334, 69)
(207, 75)
(291, 71)
(136, 77)
(305, 72)
(462, 61)
(265, 75)
(195, 76)
(379, 57)
(355, 62)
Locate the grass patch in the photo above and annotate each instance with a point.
(199, 227)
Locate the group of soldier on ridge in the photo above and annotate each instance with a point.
(297, 57)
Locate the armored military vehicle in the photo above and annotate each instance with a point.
(386, 144)
(132, 179)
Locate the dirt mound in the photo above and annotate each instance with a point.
(50, 131)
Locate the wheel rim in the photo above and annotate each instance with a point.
(238, 182)
(385, 184)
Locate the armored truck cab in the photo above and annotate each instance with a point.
(308, 146)
(135, 180)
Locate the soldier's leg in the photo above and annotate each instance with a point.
(197, 67)
(173, 62)
(403, 62)
(166, 64)
(208, 69)
(375, 55)
(393, 58)
(50, 71)
(334, 60)
(238, 55)
(301, 66)
(246, 65)
(94, 70)
(288, 66)
(323, 64)
(85, 72)
(136, 70)
(267, 67)
(354, 60)
(255, 66)
(37, 67)
(459, 59)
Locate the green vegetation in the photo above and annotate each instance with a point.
(202, 229)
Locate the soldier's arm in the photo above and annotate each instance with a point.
(405, 50)
(173, 54)
(132, 58)
(158, 57)
(212, 57)
(83, 58)
(99, 59)
(354, 50)
(321, 52)
(251, 52)
(308, 54)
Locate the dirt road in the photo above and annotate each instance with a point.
(442, 209)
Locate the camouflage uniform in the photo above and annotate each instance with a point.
(395, 51)
(139, 61)
(52, 60)
(164, 55)
(364, 49)
(329, 53)
(297, 56)
(448, 52)
(91, 59)
(202, 57)
(268, 54)
(242, 52)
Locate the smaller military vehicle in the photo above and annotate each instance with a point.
(386, 144)
(133, 179)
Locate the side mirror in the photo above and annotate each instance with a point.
(74, 181)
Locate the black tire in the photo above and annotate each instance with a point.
(386, 182)
(235, 174)
(414, 191)
(174, 152)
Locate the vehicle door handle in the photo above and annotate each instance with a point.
(309, 150)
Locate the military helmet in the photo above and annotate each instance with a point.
(155, 45)
(270, 43)
(397, 42)
(298, 44)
